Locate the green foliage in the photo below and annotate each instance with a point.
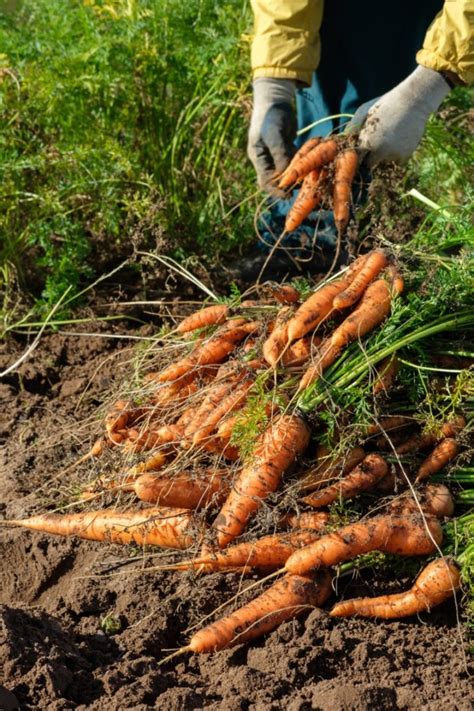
(123, 123)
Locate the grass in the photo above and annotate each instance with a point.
(124, 127)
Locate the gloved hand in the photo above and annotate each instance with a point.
(272, 128)
(393, 125)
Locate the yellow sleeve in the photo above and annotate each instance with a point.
(449, 42)
(286, 38)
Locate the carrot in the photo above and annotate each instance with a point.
(221, 448)
(285, 294)
(363, 477)
(319, 305)
(435, 500)
(209, 316)
(330, 468)
(290, 596)
(300, 153)
(283, 440)
(166, 528)
(443, 453)
(322, 154)
(374, 307)
(425, 440)
(373, 265)
(173, 393)
(396, 279)
(308, 198)
(275, 344)
(125, 482)
(183, 490)
(314, 520)
(267, 553)
(123, 414)
(225, 429)
(299, 351)
(437, 582)
(404, 535)
(214, 350)
(216, 393)
(235, 397)
(386, 374)
(345, 168)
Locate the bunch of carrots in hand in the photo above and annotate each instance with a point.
(204, 471)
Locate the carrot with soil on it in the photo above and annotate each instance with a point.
(285, 294)
(267, 553)
(372, 310)
(313, 520)
(209, 316)
(277, 449)
(386, 373)
(163, 527)
(183, 490)
(374, 263)
(345, 169)
(330, 468)
(402, 535)
(289, 597)
(276, 342)
(442, 454)
(307, 200)
(435, 500)
(437, 582)
(319, 305)
(362, 478)
(234, 398)
(428, 439)
(321, 155)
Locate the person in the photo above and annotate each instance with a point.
(315, 64)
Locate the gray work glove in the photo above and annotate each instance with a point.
(393, 125)
(272, 128)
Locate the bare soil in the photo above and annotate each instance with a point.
(54, 653)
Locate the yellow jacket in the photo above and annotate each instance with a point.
(286, 39)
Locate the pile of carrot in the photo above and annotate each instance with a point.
(323, 171)
(217, 442)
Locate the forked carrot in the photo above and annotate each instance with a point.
(209, 316)
(345, 169)
(363, 477)
(403, 535)
(166, 528)
(289, 597)
(375, 262)
(283, 440)
(442, 454)
(437, 582)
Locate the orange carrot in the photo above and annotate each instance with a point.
(183, 490)
(374, 263)
(322, 154)
(267, 553)
(290, 596)
(166, 528)
(285, 294)
(283, 440)
(216, 393)
(386, 374)
(299, 351)
(209, 316)
(363, 477)
(437, 582)
(308, 198)
(385, 424)
(396, 279)
(345, 168)
(435, 500)
(314, 520)
(330, 468)
(443, 453)
(374, 307)
(425, 440)
(319, 305)
(214, 350)
(234, 398)
(275, 344)
(300, 153)
(403, 535)
(123, 414)
(221, 448)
